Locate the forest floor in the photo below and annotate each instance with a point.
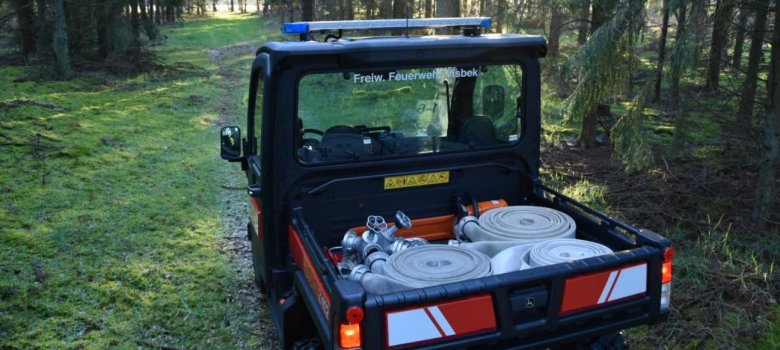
(120, 224)
(725, 292)
(122, 228)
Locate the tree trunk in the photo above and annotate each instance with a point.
(350, 10)
(587, 137)
(556, 26)
(103, 48)
(428, 8)
(399, 8)
(149, 27)
(500, 12)
(582, 31)
(661, 53)
(135, 26)
(447, 8)
(766, 172)
(26, 20)
(370, 9)
(42, 32)
(675, 73)
(158, 13)
(739, 41)
(746, 100)
(307, 10)
(60, 42)
(719, 39)
(231, 6)
(386, 9)
(214, 6)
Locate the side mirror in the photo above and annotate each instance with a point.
(230, 140)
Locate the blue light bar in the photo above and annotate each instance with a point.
(386, 24)
(295, 28)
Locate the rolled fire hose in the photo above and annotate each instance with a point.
(545, 253)
(430, 265)
(520, 224)
(489, 248)
(374, 283)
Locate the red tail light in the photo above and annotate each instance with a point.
(349, 336)
(666, 270)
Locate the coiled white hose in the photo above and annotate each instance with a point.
(522, 224)
(564, 250)
(429, 265)
(545, 253)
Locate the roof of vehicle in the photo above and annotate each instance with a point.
(348, 45)
(472, 37)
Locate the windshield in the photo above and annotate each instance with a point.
(363, 115)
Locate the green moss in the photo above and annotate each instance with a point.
(119, 243)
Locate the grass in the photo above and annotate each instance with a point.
(110, 203)
(112, 216)
(724, 291)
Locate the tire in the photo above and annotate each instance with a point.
(609, 342)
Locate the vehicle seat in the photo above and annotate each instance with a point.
(342, 142)
(478, 131)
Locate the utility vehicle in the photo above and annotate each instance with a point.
(431, 129)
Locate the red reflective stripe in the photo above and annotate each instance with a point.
(420, 325)
(587, 291)
(583, 291)
(470, 315)
(304, 262)
(433, 319)
(612, 287)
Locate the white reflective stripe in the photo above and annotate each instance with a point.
(632, 281)
(410, 326)
(607, 287)
(441, 320)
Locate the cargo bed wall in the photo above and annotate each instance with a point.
(332, 207)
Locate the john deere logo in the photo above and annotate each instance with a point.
(530, 302)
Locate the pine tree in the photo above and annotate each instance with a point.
(718, 42)
(739, 40)
(26, 21)
(747, 100)
(661, 52)
(556, 27)
(766, 190)
(60, 42)
(447, 8)
(683, 57)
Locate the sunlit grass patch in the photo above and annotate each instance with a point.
(109, 202)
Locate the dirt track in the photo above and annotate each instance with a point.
(234, 241)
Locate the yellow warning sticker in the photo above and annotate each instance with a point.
(415, 180)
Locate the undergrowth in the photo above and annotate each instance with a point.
(109, 204)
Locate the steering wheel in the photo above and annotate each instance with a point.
(312, 131)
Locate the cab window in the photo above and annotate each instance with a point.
(363, 115)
